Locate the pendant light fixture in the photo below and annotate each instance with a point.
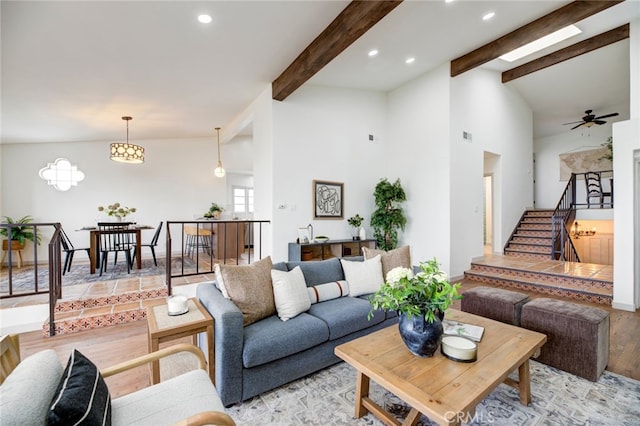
(219, 171)
(127, 152)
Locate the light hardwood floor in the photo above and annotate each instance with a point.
(111, 345)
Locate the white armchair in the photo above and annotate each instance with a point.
(28, 388)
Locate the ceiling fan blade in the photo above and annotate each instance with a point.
(599, 121)
(613, 114)
(573, 122)
(577, 126)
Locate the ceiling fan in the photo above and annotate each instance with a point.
(590, 119)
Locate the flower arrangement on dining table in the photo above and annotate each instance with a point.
(117, 210)
(427, 293)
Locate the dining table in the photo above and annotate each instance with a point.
(94, 243)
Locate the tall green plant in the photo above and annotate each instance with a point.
(389, 216)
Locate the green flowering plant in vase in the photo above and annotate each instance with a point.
(214, 211)
(117, 210)
(427, 293)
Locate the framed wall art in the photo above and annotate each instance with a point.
(328, 200)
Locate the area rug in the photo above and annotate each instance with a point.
(558, 398)
(23, 278)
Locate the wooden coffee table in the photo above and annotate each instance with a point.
(446, 391)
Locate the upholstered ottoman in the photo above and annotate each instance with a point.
(577, 335)
(495, 303)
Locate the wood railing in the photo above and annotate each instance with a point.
(197, 246)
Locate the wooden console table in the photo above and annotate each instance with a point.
(328, 249)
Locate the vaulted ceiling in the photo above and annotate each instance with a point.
(70, 70)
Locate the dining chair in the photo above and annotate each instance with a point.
(594, 189)
(152, 245)
(116, 237)
(70, 250)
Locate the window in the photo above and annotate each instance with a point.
(242, 199)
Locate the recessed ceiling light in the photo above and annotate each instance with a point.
(541, 43)
(410, 60)
(448, 1)
(488, 16)
(205, 19)
(373, 52)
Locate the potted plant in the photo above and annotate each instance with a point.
(355, 222)
(609, 146)
(420, 300)
(389, 216)
(117, 211)
(19, 234)
(214, 211)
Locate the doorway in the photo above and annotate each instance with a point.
(492, 232)
(636, 202)
(488, 215)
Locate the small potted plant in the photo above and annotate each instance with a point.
(355, 222)
(19, 234)
(214, 211)
(420, 300)
(117, 211)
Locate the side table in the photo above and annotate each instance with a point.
(163, 327)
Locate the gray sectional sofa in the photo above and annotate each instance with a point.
(269, 353)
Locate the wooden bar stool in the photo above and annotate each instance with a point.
(198, 238)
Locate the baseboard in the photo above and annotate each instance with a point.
(623, 306)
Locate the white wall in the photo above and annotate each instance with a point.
(501, 123)
(625, 217)
(176, 182)
(418, 153)
(322, 133)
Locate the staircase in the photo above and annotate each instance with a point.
(532, 236)
(587, 282)
(102, 310)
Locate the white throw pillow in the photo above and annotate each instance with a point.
(290, 293)
(221, 287)
(334, 290)
(363, 277)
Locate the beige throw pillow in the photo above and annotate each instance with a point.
(363, 277)
(249, 287)
(290, 293)
(390, 259)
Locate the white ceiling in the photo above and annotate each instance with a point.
(70, 70)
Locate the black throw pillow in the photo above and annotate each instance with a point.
(82, 397)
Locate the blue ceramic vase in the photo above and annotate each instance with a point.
(421, 337)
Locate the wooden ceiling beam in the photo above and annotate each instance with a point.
(585, 46)
(560, 18)
(355, 20)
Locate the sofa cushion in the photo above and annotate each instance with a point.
(290, 293)
(328, 291)
(363, 277)
(319, 271)
(400, 257)
(82, 396)
(167, 402)
(272, 339)
(345, 315)
(249, 288)
(26, 393)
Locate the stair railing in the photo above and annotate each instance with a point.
(561, 219)
(55, 276)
